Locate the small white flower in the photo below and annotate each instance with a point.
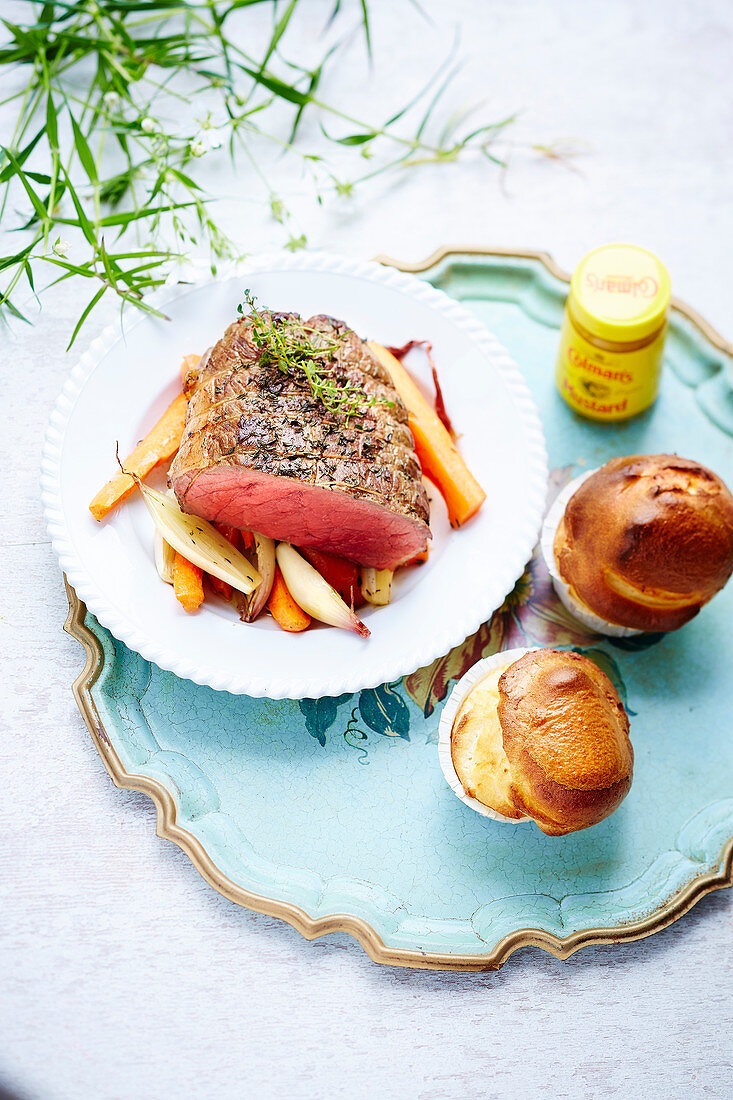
(205, 140)
(111, 100)
(147, 125)
(61, 248)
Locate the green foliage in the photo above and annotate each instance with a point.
(91, 166)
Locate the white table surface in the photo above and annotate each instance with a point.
(122, 974)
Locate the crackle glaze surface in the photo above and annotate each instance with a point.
(339, 805)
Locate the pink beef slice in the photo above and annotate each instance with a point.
(262, 453)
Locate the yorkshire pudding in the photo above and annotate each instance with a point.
(646, 540)
(545, 738)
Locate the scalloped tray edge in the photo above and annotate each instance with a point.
(309, 927)
(168, 828)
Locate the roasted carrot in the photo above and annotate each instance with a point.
(221, 587)
(232, 534)
(161, 442)
(420, 558)
(242, 540)
(187, 583)
(341, 574)
(438, 454)
(285, 611)
(400, 353)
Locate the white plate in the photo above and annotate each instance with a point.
(121, 385)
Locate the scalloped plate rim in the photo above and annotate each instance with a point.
(329, 683)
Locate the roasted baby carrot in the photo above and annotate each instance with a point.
(232, 534)
(161, 442)
(187, 583)
(420, 558)
(438, 454)
(341, 574)
(221, 587)
(283, 608)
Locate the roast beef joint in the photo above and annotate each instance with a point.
(263, 452)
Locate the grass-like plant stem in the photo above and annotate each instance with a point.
(103, 192)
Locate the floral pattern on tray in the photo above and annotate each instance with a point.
(532, 615)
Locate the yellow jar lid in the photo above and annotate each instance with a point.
(620, 292)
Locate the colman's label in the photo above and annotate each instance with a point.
(612, 339)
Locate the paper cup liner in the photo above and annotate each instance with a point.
(547, 541)
(468, 681)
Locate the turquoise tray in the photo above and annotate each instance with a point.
(333, 813)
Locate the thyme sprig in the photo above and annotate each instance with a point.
(304, 353)
(118, 102)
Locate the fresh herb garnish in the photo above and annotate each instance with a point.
(286, 342)
(118, 102)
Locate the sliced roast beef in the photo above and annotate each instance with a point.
(262, 452)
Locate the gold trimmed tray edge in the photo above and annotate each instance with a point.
(311, 928)
(444, 251)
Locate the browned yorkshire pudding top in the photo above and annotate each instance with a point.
(566, 737)
(647, 540)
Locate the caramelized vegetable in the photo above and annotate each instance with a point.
(165, 555)
(234, 535)
(341, 574)
(400, 353)
(161, 442)
(438, 454)
(264, 554)
(420, 558)
(314, 594)
(222, 588)
(187, 583)
(199, 542)
(285, 611)
(376, 585)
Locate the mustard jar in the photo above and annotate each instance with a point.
(612, 339)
